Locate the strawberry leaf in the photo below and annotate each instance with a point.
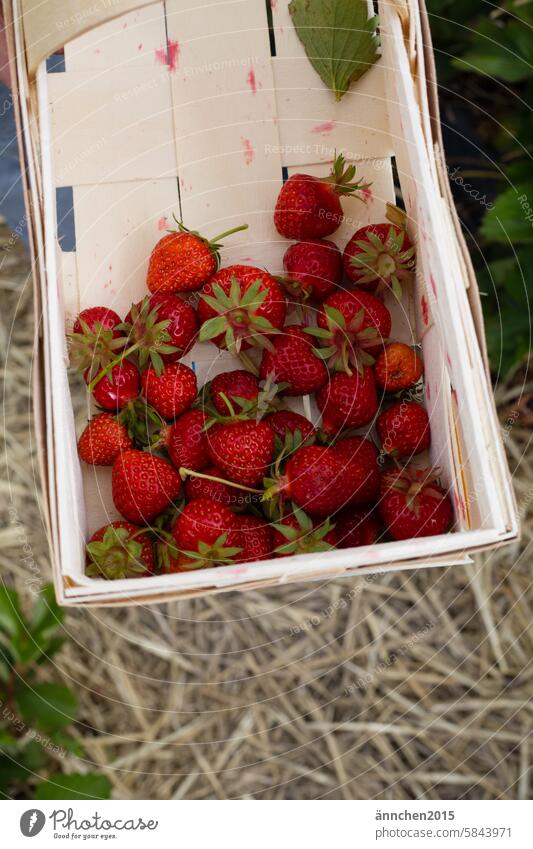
(339, 38)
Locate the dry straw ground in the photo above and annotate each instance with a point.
(411, 685)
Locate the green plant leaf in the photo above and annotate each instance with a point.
(48, 706)
(46, 616)
(10, 613)
(339, 38)
(89, 786)
(511, 218)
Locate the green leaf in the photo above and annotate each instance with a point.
(511, 217)
(10, 613)
(46, 615)
(339, 38)
(212, 327)
(89, 786)
(49, 706)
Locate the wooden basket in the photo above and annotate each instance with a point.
(200, 110)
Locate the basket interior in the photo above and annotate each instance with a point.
(201, 112)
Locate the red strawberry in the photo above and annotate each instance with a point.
(352, 327)
(184, 260)
(125, 386)
(309, 207)
(412, 504)
(225, 493)
(294, 362)
(361, 457)
(398, 367)
(296, 534)
(255, 537)
(348, 401)
(241, 306)
(160, 322)
(230, 385)
(186, 441)
(355, 527)
(314, 269)
(143, 485)
(103, 440)
(242, 449)
(284, 422)
(379, 253)
(95, 340)
(95, 317)
(119, 550)
(207, 533)
(317, 480)
(172, 392)
(404, 429)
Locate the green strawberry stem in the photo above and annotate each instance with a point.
(101, 374)
(184, 472)
(221, 236)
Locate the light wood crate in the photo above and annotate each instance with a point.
(199, 110)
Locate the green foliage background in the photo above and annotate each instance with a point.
(484, 57)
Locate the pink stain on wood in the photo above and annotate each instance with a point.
(425, 309)
(324, 128)
(139, 47)
(162, 223)
(251, 81)
(433, 285)
(249, 151)
(168, 55)
(367, 196)
(428, 392)
(273, 4)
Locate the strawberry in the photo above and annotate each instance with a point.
(348, 401)
(255, 537)
(398, 367)
(314, 269)
(186, 441)
(120, 550)
(172, 392)
(309, 207)
(162, 328)
(355, 527)
(95, 339)
(231, 385)
(296, 534)
(412, 504)
(293, 362)
(242, 449)
(115, 392)
(183, 261)
(206, 532)
(379, 253)
(209, 487)
(284, 422)
(404, 429)
(316, 479)
(361, 458)
(103, 440)
(352, 327)
(241, 306)
(143, 485)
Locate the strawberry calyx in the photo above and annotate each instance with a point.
(144, 424)
(215, 244)
(384, 260)
(244, 409)
(306, 538)
(237, 319)
(95, 347)
(210, 554)
(275, 486)
(413, 482)
(148, 336)
(117, 555)
(341, 178)
(344, 344)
